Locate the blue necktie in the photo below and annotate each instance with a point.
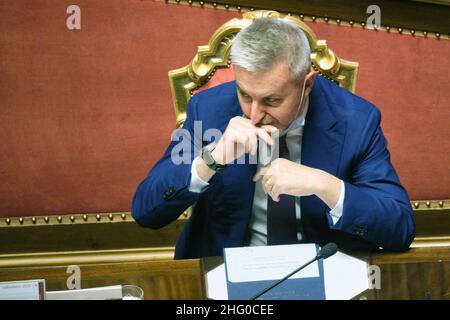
(281, 218)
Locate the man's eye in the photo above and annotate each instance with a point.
(272, 101)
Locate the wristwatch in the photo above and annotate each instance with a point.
(209, 160)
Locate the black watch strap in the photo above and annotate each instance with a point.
(209, 160)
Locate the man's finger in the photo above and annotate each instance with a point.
(265, 136)
(269, 128)
(261, 173)
(275, 194)
(275, 198)
(253, 148)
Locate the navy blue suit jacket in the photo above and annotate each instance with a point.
(342, 136)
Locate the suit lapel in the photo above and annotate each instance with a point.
(323, 134)
(323, 138)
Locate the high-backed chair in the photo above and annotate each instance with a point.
(214, 57)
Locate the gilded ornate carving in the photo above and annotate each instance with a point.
(415, 29)
(26, 221)
(108, 217)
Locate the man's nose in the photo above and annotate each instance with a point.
(256, 113)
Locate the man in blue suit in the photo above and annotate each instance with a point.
(333, 180)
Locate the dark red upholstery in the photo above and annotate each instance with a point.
(86, 113)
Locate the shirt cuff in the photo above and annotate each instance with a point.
(197, 184)
(336, 212)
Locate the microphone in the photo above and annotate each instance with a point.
(325, 252)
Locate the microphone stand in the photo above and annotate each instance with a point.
(283, 279)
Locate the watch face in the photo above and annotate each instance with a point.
(206, 156)
(209, 160)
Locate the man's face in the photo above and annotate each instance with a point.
(271, 96)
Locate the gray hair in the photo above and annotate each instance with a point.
(267, 41)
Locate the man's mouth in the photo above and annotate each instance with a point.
(266, 121)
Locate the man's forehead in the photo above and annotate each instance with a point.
(270, 89)
(273, 81)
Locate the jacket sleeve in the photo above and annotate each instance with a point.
(376, 206)
(164, 194)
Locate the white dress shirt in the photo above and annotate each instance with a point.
(258, 221)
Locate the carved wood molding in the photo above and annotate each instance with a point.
(70, 219)
(85, 257)
(426, 18)
(114, 217)
(105, 240)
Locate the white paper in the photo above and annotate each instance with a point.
(260, 263)
(216, 284)
(22, 290)
(345, 276)
(99, 293)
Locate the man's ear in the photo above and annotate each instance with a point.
(310, 78)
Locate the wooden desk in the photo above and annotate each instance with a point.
(421, 273)
(181, 279)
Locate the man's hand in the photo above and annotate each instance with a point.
(239, 138)
(286, 177)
